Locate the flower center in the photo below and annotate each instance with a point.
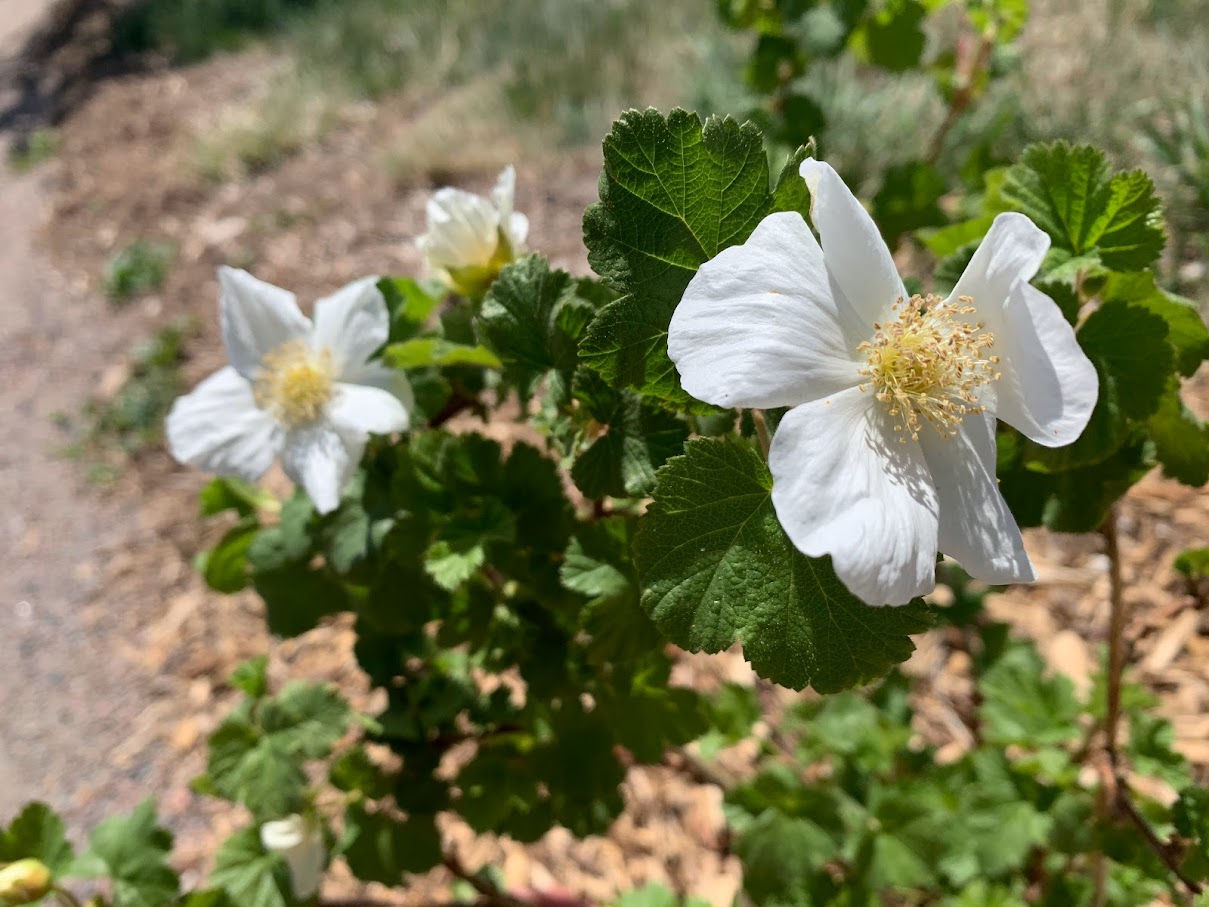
(928, 363)
(295, 382)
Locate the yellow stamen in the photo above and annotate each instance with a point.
(295, 382)
(927, 364)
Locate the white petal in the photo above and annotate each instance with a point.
(1012, 250)
(844, 485)
(858, 259)
(353, 323)
(518, 232)
(219, 428)
(357, 408)
(322, 459)
(256, 317)
(1049, 386)
(504, 193)
(976, 526)
(758, 325)
(463, 230)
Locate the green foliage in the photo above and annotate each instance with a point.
(1094, 218)
(133, 853)
(674, 194)
(37, 832)
(717, 566)
(258, 755)
(138, 269)
(249, 875)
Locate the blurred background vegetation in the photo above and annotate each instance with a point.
(1127, 75)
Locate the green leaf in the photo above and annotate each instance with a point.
(908, 200)
(1069, 192)
(783, 859)
(252, 676)
(37, 833)
(1022, 706)
(1186, 329)
(261, 764)
(893, 37)
(436, 352)
(717, 566)
(522, 317)
(655, 895)
(673, 194)
(1128, 346)
(133, 852)
(733, 710)
(410, 303)
(1193, 563)
(450, 567)
(355, 770)
(1181, 440)
(250, 875)
(344, 536)
(380, 848)
(597, 561)
(637, 439)
(226, 564)
(229, 493)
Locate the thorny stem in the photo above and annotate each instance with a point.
(1116, 781)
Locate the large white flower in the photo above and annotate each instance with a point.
(300, 843)
(888, 454)
(305, 391)
(470, 238)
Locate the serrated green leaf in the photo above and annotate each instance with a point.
(783, 859)
(654, 895)
(525, 313)
(250, 875)
(1022, 706)
(1071, 194)
(37, 833)
(380, 848)
(637, 439)
(1181, 440)
(133, 852)
(674, 193)
(716, 566)
(597, 563)
(450, 567)
(436, 352)
(1186, 329)
(261, 764)
(1128, 346)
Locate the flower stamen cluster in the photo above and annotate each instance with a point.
(296, 382)
(928, 364)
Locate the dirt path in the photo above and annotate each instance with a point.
(67, 698)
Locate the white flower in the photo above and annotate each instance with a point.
(308, 392)
(471, 238)
(889, 451)
(300, 843)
